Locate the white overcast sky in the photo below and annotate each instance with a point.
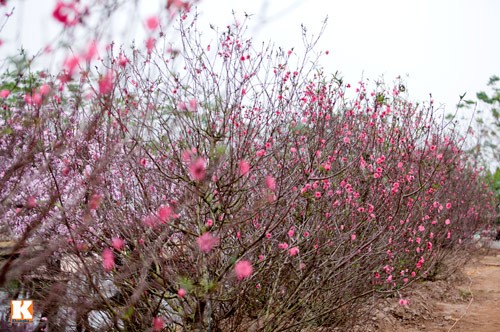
(446, 47)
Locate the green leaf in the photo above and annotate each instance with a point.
(220, 150)
(495, 113)
(493, 80)
(233, 260)
(128, 313)
(186, 283)
(483, 97)
(7, 131)
(208, 285)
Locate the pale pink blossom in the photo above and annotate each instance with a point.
(182, 106)
(270, 182)
(177, 4)
(149, 221)
(91, 51)
(192, 105)
(186, 155)
(206, 242)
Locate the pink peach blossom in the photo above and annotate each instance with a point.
(44, 89)
(91, 51)
(192, 105)
(95, 201)
(158, 324)
(206, 242)
(108, 260)
(31, 202)
(181, 292)
(150, 44)
(66, 13)
(164, 213)
(106, 83)
(4, 93)
(403, 302)
(152, 23)
(283, 245)
(270, 182)
(244, 167)
(243, 269)
(293, 251)
(118, 243)
(197, 169)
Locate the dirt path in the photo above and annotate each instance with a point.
(482, 312)
(471, 305)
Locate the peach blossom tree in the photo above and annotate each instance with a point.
(216, 184)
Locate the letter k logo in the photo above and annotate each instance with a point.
(21, 310)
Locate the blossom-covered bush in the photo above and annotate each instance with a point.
(215, 184)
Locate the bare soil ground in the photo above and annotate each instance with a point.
(467, 301)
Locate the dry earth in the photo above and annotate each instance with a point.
(469, 301)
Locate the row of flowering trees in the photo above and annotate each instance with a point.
(221, 186)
